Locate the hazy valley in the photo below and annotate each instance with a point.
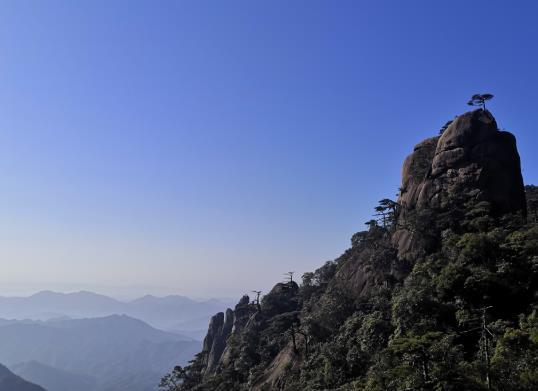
(89, 342)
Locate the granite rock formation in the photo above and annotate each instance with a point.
(472, 159)
(220, 327)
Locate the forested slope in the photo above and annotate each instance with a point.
(439, 293)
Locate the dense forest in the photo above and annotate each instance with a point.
(438, 294)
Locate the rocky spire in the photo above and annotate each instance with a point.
(473, 159)
(220, 327)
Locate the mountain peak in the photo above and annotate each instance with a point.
(45, 293)
(471, 160)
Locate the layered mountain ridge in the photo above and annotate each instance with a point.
(171, 313)
(97, 354)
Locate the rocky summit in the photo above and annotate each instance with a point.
(473, 160)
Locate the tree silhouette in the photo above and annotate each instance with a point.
(371, 224)
(173, 380)
(387, 210)
(479, 100)
(257, 301)
(289, 276)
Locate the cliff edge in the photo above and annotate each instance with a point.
(471, 160)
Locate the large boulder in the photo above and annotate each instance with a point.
(282, 298)
(472, 159)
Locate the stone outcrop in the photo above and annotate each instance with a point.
(472, 159)
(216, 351)
(280, 299)
(241, 315)
(218, 348)
(220, 327)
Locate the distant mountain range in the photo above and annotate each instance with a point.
(171, 313)
(11, 382)
(54, 379)
(113, 353)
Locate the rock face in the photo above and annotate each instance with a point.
(241, 315)
(220, 327)
(281, 299)
(471, 159)
(225, 330)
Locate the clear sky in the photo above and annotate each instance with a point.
(207, 147)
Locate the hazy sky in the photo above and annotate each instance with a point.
(207, 147)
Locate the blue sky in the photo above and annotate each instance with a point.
(207, 147)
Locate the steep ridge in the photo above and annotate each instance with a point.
(11, 382)
(440, 293)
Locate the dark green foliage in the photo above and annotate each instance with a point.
(515, 360)
(532, 202)
(369, 321)
(174, 379)
(387, 213)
